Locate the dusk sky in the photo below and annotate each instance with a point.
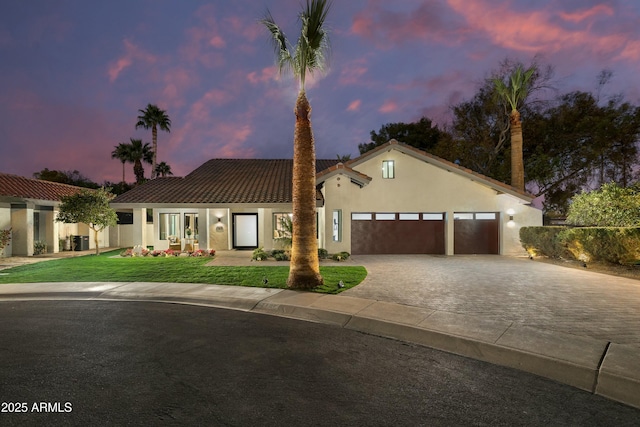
(74, 73)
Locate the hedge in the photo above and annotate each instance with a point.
(616, 245)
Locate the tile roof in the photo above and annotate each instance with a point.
(224, 181)
(360, 178)
(13, 186)
(498, 186)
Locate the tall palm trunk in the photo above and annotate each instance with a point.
(304, 267)
(123, 162)
(138, 171)
(517, 163)
(154, 138)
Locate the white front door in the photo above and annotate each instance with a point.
(245, 231)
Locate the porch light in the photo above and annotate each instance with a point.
(511, 223)
(219, 225)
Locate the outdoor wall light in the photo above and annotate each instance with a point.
(219, 225)
(511, 222)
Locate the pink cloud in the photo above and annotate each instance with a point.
(217, 42)
(353, 72)
(430, 22)
(354, 105)
(538, 31)
(131, 53)
(265, 75)
(579, 16)
(388, 106)
(177, 82)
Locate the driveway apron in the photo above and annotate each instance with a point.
(517, 290)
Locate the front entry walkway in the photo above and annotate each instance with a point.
(527, 293)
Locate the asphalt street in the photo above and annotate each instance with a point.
(141, 363)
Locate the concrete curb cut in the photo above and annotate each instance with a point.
(607, 369)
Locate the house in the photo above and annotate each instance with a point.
(29, 208)
(394, 199)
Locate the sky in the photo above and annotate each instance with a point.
(74, 73)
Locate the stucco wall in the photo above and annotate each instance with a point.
(420, 187)
(5, 224)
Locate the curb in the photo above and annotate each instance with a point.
(607, 369)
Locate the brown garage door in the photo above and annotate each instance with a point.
(397, 233)
(476, 233)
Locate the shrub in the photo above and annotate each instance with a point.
(542, 241)
(39, 247)
(202, 252)
(5, 238)
(340, 256)
(322, 253)
(616, 245)
(609, 206)
(281, 256)
(259, 254)
(127, 253)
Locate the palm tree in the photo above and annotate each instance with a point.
(121, 152)
(163, 169)
(308, 55)
(153, 117)
(515, 93)
(139, 153)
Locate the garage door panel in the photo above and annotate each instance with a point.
(397, 237)
(476, 236)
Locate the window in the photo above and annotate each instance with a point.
(488, 215)
(191, 225)
(385, 217)
(337, 225)
(282, 225)
(409, 217)
(388, 169)
(432, 216)
(169, 225)
(125, 218)
(361, 216)
(464, 216)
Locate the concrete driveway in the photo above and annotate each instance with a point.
(518, 290)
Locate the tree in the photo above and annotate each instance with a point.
(515, 93)
(343, 158)
(578, 144)
(421, 135)
(163, 169)
(122, 152)
(610, 206)
(153, 118)
(90, 207)
(308, 55)
(65, 177)
(5, 239)
(138, 153)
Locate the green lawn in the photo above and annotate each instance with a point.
(104, 268)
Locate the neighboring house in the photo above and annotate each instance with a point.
(394, 199)
(29, 208)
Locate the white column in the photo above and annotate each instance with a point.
(449, 226)
(140, 227)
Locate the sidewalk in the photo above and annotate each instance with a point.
(610, 370)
